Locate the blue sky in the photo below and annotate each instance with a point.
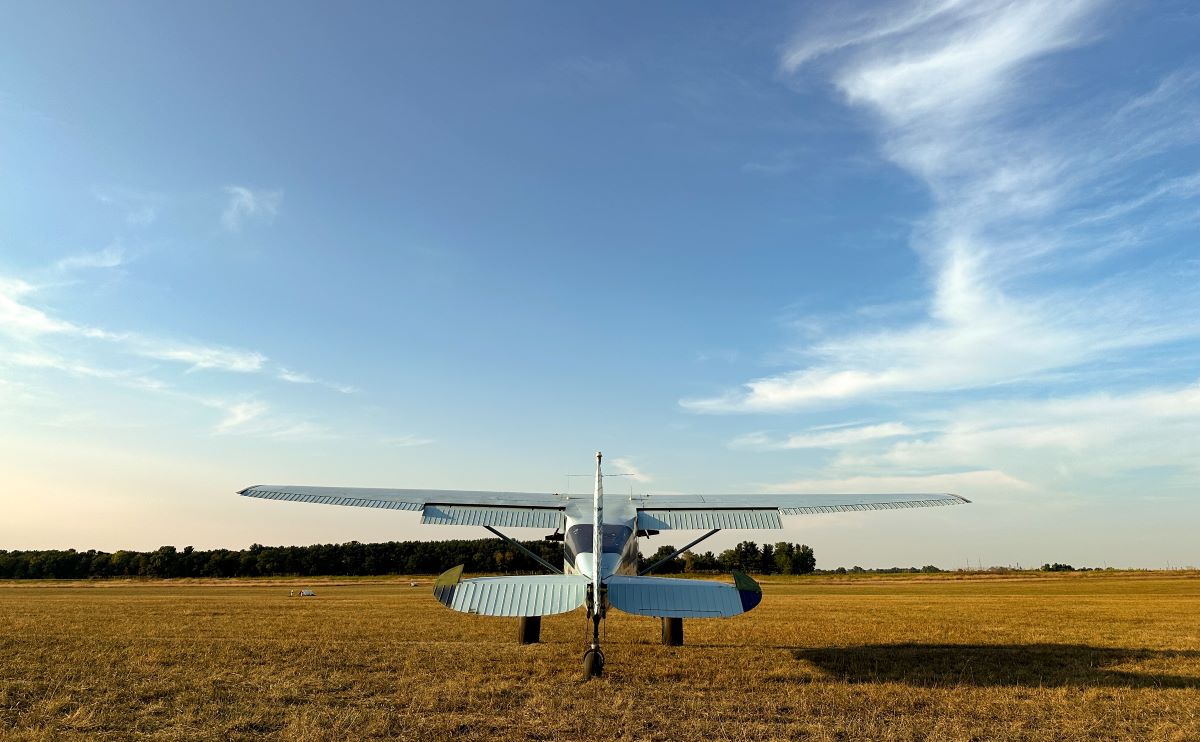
(944, 246)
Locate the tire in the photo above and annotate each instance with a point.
(529, 629)
(593, 664)
(672, 632)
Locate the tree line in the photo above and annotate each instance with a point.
(359, 559)
(779, 558)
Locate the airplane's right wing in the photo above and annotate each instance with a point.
(662, 512)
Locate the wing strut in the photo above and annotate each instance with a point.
(675, 553)
(527, 552)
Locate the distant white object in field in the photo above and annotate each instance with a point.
(307, 594)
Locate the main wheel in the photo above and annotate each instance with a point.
(529, 629)
(593, 664)
(672, 632)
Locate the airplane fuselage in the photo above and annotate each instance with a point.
(618, 536)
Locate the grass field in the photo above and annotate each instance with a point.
(1055, 657)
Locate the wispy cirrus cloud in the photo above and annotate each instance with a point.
(1058, 442)
(296, 377)
(21, 320)
(250, 417)
(625, 466)
(109, 257)
(835, 437)
(18, 318)
(32, 337)
(197, 357)
(248, 204)
(139, 206)
(953, 94)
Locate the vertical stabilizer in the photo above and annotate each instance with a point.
(598, 527)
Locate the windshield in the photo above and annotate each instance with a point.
(579, 539)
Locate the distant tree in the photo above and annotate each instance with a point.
(673, 566)
(164, 562)
(804, 559)
(747, 556)
(766, 561)
(706, 562)
(1056, 567)
(783, 557)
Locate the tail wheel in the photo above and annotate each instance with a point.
(593, 664)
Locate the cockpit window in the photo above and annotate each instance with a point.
(579, 539)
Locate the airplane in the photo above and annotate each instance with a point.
(613, 579)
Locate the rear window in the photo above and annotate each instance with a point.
(579, 539)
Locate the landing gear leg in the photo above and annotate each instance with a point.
(529, 630)
(672, 632)
(593, 658)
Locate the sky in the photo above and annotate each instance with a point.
(829, 247)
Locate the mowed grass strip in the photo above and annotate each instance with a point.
(1061, 657)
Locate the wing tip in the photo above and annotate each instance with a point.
(748, 590)
(245, 491)
(962, 500)
(446, 584)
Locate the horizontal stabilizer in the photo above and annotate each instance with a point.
(533, 595)
(672, 598)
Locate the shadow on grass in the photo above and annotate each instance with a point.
(1032, 665)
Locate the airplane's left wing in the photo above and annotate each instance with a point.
(439, 507)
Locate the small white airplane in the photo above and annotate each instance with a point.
(612, 579)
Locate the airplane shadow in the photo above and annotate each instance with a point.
(1029, 665)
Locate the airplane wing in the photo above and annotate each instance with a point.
(438, 507)
(534, 595)
(675, 598)
(663, 512)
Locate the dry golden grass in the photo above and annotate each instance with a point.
(1060, 657)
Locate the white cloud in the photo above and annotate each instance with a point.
(19, 319)
(38, 359)
(198, 357)
(110, 257)
(1057, 442)
(254, 418)
(246, 203)
(951, 87)
(976, 482)
(624, 465)
(239, 415)
(140, 207)
(38, 340)
(295, 377)
(822, 438)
